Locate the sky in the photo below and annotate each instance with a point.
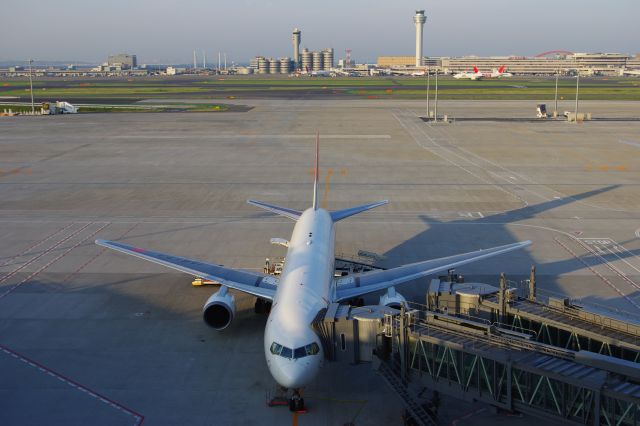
(167, 31)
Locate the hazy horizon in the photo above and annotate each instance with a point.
(163, 31)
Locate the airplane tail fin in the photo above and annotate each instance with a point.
(475, 69)
(501, 69)
(345, 213)
(316, 172)
(335, 216)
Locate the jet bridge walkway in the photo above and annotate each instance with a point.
(562, 324)
(474, 360)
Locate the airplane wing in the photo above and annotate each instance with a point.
(254, 283)
(367, 282)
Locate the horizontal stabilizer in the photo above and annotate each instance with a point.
(342, 214)
(282, 211)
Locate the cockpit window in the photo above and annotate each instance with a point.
(286, 352)
(301, 352)
(312, 349)
(276, 348)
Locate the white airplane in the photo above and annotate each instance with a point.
(475, 75)
(499, 73)
(305, 288)
(322, 73)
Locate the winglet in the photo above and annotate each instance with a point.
(316, 172)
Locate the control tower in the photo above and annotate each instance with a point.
(296, 38)
(419, 19)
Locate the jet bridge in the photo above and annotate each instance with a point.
(558, 360)
(482, 362)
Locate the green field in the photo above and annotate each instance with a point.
(84, 109)
(88, 90)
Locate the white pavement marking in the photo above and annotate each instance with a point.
(33, 259)
(602, 277)
(37, 244)
(260, 136)
(602, 247)
(139, 418)
(526, 178)
(636, 144)
(404, 122)
(12, 288)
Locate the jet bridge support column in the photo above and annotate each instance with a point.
(403, 340)
(502, 298)
(532, 284)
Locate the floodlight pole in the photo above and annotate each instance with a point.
(555, 110)
(435, 108)
(428, 100)
(33, 108)
(577, 89)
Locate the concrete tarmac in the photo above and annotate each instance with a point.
(88, 336)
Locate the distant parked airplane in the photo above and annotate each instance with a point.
(477, 75)
(499, 73)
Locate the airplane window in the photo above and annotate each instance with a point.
(301, 352)
(276, 348)
(286, 352)
(312, 349)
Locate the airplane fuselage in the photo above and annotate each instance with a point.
(292, 349)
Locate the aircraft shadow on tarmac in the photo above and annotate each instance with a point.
(439, 234)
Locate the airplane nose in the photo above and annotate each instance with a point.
(295, 374)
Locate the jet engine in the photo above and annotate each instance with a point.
(219, 310)
(392, 299)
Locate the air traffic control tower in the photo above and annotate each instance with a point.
(296, 38)
(419, 19)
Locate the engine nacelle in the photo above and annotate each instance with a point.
(219, 310)
(392, 299)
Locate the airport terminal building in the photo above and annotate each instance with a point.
(546, 64)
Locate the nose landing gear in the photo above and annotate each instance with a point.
(279, 398)
(296, 402)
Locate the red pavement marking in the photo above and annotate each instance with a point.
(37, 244)
(68, 277)
(139, 418)
(33, 259)
(3, 295)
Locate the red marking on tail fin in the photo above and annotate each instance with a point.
(475, 69)
(501, 69)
